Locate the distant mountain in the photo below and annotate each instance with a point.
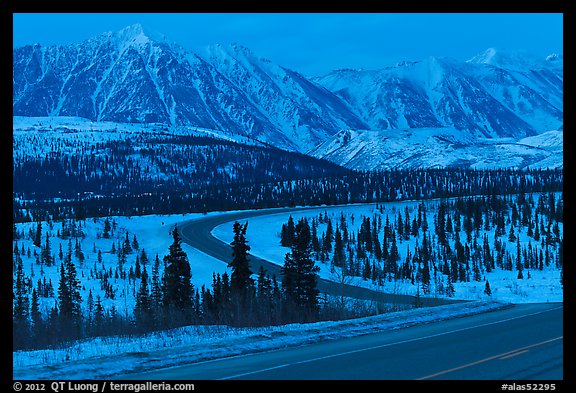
(479, 96)
(129, 77)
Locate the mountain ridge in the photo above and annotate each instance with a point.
(129, 77)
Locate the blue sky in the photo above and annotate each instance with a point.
(316, 43)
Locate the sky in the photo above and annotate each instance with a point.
(316, 43)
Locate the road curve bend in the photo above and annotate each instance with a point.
(198, 234)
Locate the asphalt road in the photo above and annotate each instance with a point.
(197, 233)
(524, 342)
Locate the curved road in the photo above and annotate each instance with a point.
(197, 233)
(520, 342)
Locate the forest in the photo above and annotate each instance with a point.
(168, 174)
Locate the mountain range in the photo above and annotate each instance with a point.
(496, 98)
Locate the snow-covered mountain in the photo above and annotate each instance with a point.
(305, 112)
(479, 97)
(530, 87)
(129, 77)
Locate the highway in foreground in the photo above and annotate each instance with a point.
(524, 342)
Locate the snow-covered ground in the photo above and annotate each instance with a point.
(34, 136)
(111, 356)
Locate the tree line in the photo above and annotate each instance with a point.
(309, 188)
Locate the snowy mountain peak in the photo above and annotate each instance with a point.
(131, 76)
(555, 59)
(132, 33)
(513, 60)
(131, 36)
(233, 52)
(486, 57)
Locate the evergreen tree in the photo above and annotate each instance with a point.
(37, 328)
(287, 234)
(137, 268)
(315, 241)
(107, 229)
(339, 256)
(300, 276)
(78, 253)
(127, 245)
(329, 237)
(38, 237)
(143, 307)
(487, 289)
(143, 257)
(21, 309)
(156, 294)
(135, 244)
(46, 255)
(264, 297)
(450, 291)
(440, 227)
(511, 234)
(178, 291)
(69, 300)
(99, 317)
(241, 283)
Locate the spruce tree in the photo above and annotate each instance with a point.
(241, 283)
(287, 234)
(37, 328)
(107, 229)
(46, 254)
(178, 290)
(156, 294)
(99, 317)
(143, 307)
(300, 276)
(69, 300)
(20, 310)
(487, 289)
(38, 236)
(339, 257)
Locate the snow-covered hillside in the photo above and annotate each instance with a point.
(440, 147)
(153, 238)
(305, 113)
